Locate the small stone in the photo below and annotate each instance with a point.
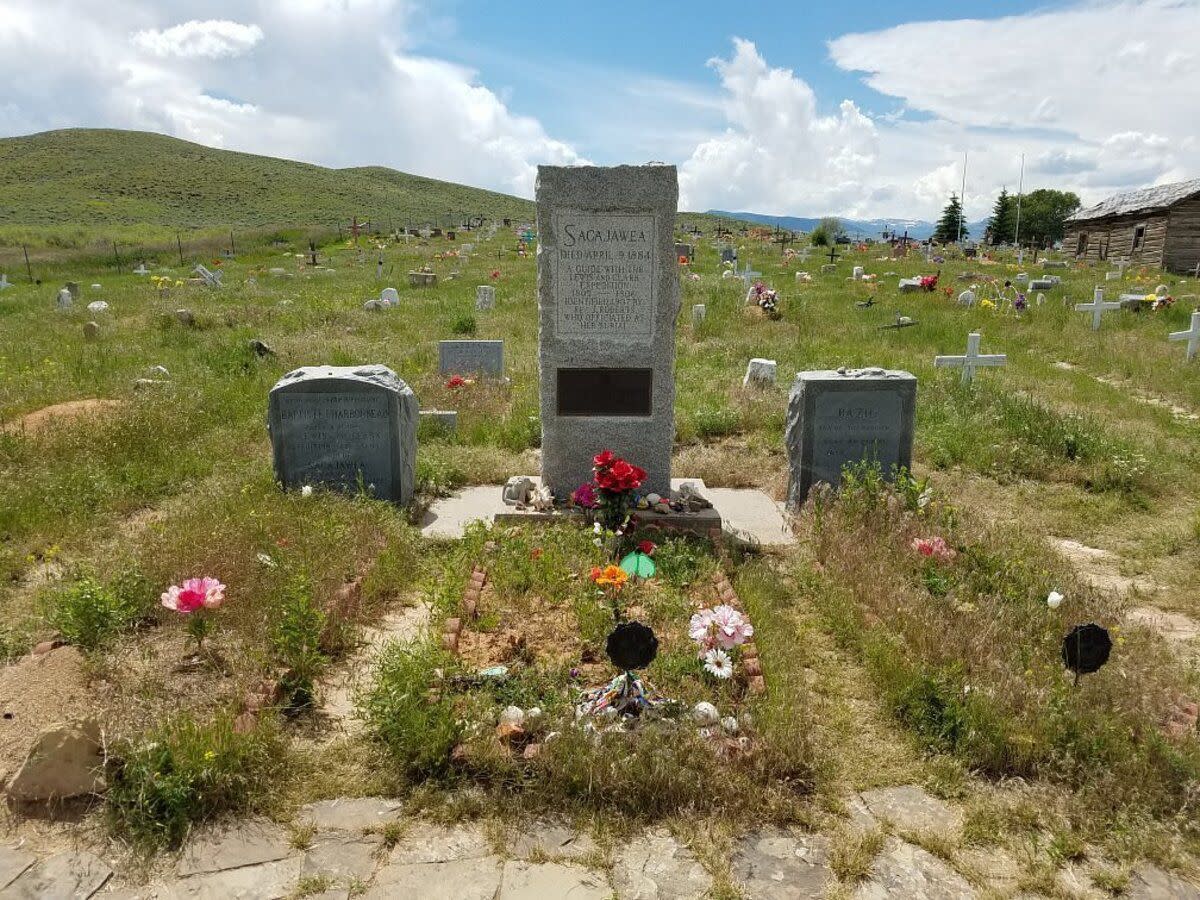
(450, 642)
(533, 713)
(97, 306)
(760, 373)
(260, 348)
(705, 714)
(512, 715)
(91, 330)
(452, 626)
(46, 646)
(65, 761)
(729, 725)
(372, 306)
(185, 317)
(159, 372)
(509, 732)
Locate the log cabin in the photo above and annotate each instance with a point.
(1158, 226)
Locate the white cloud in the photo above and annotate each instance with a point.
(778, 154)
(211, 39)
(1101, 95)
(327, 81)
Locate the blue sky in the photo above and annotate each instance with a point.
(858, 109)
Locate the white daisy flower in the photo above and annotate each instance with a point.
(1054, 601)
(718, 663)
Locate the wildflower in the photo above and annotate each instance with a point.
(210, 755)
(718, 663)
(1054, 600)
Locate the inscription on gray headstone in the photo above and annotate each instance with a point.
(471, 358)
(342, 426)
(608, 298)
(847, 417)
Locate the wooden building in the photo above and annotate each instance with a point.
(1158, 226)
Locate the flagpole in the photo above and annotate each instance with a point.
(962, 199)
(1017, 233)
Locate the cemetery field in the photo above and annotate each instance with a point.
(138, 456)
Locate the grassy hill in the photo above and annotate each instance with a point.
(105, 177)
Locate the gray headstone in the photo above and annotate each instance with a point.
(729, 255)
(64, 300)
(471, 358)
(389, 296)
(485, 297)
(760, 373)
(73, 287)
(337, 425)
(608, 298)
(699, 311)
(685, 250)
(1040, 284)
(442, 420)
(847, 416)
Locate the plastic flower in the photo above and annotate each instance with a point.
(194, 594)
(730, 627)
(585, 496)
(718, 663)
(456, 381)
(986, 304)
(700, 628)
(1054, 600)
(610, 576)
(647, 547)
(934, 548)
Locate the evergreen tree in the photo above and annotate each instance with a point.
(1003, 224)
(948, 226)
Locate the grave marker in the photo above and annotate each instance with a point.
(608, 299)
(211, 279)
(4, 282)
(699, 311)
(842, 417)
(342, 426)
(1098, 307)
(1192, 336)
(971, 360)
(471, 358)
(389, 296)
(485, 297)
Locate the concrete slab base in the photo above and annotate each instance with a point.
(748, 513)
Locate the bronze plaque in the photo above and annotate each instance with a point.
(605, 392)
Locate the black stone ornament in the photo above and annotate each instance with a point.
(1085, 648)
(631, 645)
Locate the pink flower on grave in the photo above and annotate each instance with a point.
(194, 594)
(730, 627)
(934, 548)
(700, 629)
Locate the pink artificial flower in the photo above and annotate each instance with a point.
(194, 594)
(730, 627)
(934, 548)
(700, 628)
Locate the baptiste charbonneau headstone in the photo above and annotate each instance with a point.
(345, 426)
(471, 358)
(608, 298)
(846, 417)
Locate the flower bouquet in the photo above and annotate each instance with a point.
(717, 632)
(610, 492)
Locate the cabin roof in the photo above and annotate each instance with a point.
(1144, 200)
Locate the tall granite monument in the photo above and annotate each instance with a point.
(608, 298)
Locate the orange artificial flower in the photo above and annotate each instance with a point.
(613, 576)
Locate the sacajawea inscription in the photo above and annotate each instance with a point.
(604, 275)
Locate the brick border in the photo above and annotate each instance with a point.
(453, 626)
(750, 658)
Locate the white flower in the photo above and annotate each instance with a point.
(266, 560)
(596, 528)
(306, 491)
(718, 663)
(1054, 600)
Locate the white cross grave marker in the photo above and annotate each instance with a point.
(1192, 336)
(971, 360)
(748, 275)
(212, 279)
(1097, 307)
(4, 282)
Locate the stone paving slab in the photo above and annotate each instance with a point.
(774, 865)
(474, 878)
(427, 843)
(912, 808)
(551, 839)
(657, 867)
(265, 881)
(1149, 882)
(903, 870)
(350, 813)
(13, 861)
(228, 847)
(342, 857)
(751, 512)
(551, 881)
(70, 875)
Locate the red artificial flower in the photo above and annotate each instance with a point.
(603, 459)
(683, 260)
(495, 274)
(647, 547)
(456, 381)
(536, 553)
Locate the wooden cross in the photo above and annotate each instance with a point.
(1192, 336)
(971, 360)
(784, 238)
(1097, 307)
(833, 254)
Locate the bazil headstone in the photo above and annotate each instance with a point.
(345, 426)
(471, 358)
(848, 416)
(608, 298)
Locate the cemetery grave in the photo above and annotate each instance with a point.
(896, 687)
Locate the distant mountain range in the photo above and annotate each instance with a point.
(864, 228)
